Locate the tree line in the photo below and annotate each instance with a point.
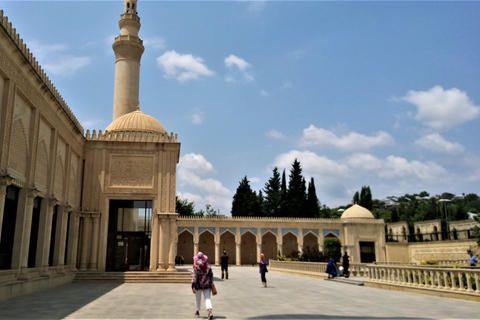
(277, 199)
(295, 198)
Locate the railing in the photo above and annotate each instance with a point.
(460, 280)
(317, 268)
(396, 263)
(435, 236)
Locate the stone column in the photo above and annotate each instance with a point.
(280, 247)
(164, 244)
(27, 226)
(239, 254)
(217, 251)
(195, 248)
(154, 243)
(63, 238)
(72, 254)
(93, 266)
(44, 240)
(172, 248)
(85, 242)
(259, 251)
(4, 183)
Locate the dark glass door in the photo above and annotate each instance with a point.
(367, 252)
(129, 230)
(130, 251)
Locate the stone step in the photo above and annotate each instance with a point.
(353, 281)
(139, 277)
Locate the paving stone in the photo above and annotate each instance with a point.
(240, 297)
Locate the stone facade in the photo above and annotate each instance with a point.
(105, 201)
(245, 238)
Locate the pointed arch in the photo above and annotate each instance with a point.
(18, 147)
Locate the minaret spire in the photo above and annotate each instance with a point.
(128, 48)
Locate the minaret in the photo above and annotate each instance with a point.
(128, 48)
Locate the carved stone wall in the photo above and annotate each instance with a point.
(445, 250)
(131, 171)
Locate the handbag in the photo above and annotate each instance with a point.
(214, 290)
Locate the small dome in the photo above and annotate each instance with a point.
(136, 121)
(357, 211)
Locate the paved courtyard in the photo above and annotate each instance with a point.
(240, 297)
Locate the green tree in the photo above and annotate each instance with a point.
(366, 198)
(332, 248)
(245, 201)
(356, 198)
(210, 212)
(313, 207)
(184, 208)
(283, 197)
(296, 193)
(273, 195)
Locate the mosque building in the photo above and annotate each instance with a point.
(77, 202)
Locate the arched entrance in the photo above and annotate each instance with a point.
(310, 240)
(227, 243)
(248, 248)
(185, 246)
(269, 245)
(206, 244)
(290, 244)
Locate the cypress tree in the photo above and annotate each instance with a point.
(273, 195)
(245, 201)
(313, 208)
(296, 191)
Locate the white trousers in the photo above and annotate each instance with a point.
(206, 295)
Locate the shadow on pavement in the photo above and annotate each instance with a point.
(320, 316)
(45, 304)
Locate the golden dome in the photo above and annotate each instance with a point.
(136, 121)
(357, 211)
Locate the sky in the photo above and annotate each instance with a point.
(380, 94)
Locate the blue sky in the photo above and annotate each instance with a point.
(384, 94)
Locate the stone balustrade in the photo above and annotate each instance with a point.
(315, 268)
(440, 279)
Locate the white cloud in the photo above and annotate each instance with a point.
(398, 169)
(201, 191)
(197, 116)
(209, 186)
(442, 109)
(232, 62)
(264, 93)
(183, 67)
(275, 134)
(353, 141)
(312, 164)
(435, 142)
(156, 43)
(55, 60)
(195, 162)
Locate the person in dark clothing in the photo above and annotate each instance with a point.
(263, 269)
(345, 264)
(224, 264)
(331, 269)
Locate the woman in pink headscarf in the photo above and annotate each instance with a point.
(202, 283)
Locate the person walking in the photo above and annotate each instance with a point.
(202, 283)
(224, 264)
(473, 260)
(345, 264)
(263, 269)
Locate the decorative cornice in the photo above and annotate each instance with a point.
(131, 136)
